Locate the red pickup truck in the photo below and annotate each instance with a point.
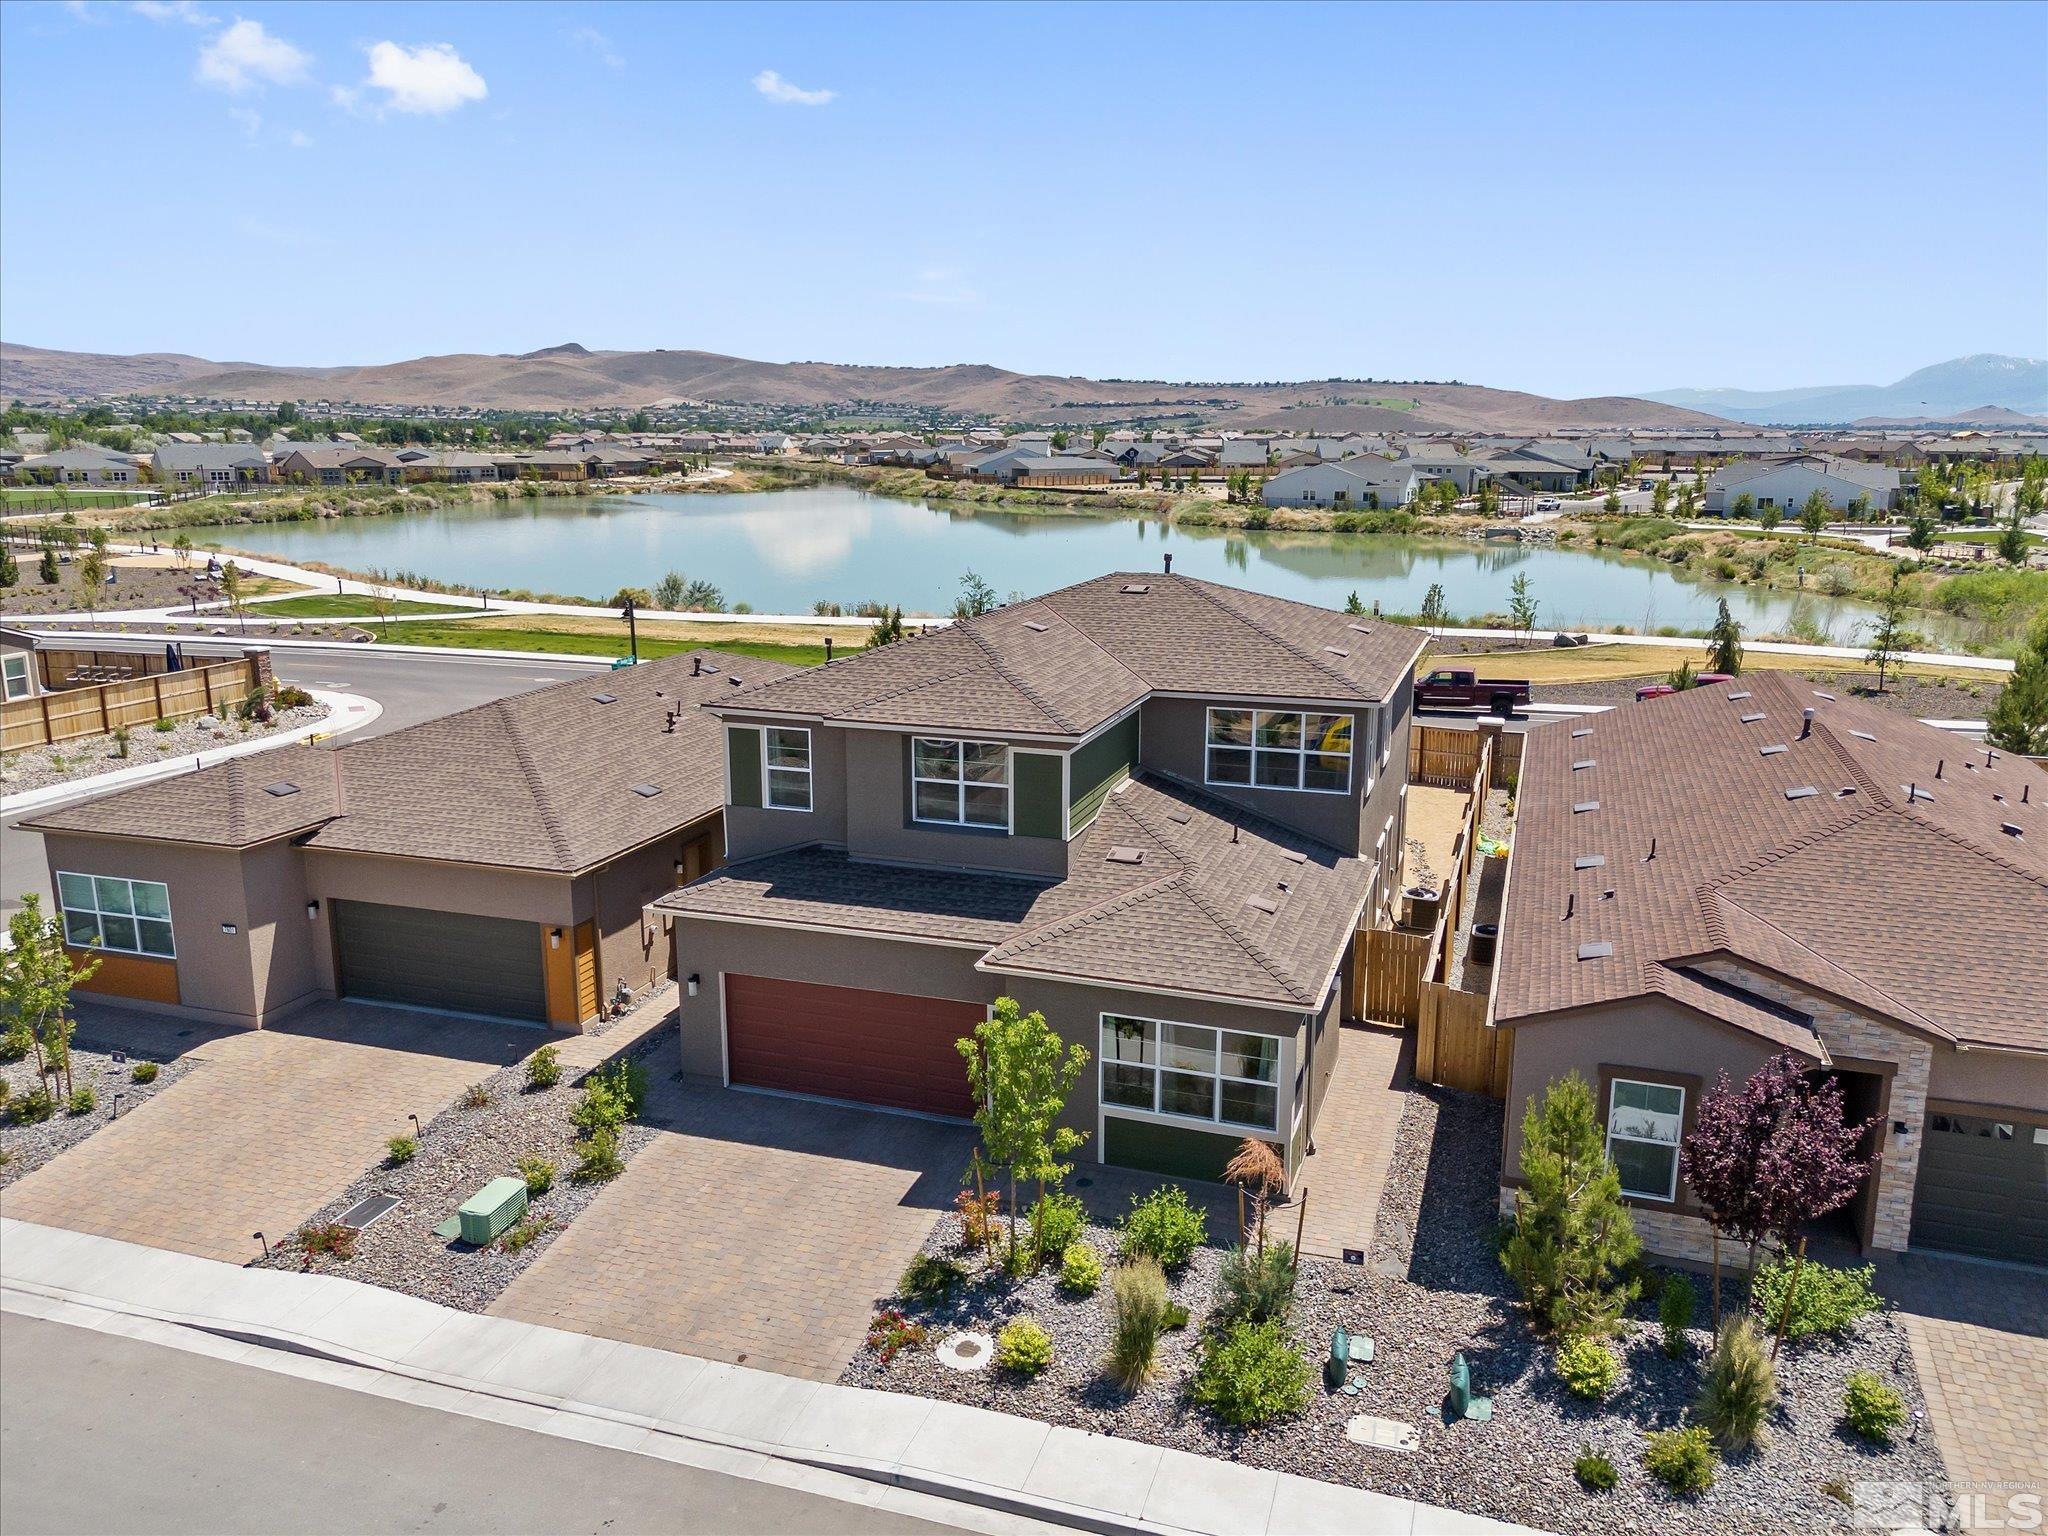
(1459, 688)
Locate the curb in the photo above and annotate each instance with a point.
(961, 1490)
(346, 712)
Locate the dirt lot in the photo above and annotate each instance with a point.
(144, 582)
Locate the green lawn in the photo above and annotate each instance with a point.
(332, 605)
(463, 636)
(44, 498)
(1981, 536)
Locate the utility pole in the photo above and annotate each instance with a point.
(632, 632)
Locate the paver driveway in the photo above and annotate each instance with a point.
(752, 1228)
(1980, 1346)
(270, 1125)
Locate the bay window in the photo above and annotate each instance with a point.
(1191, 1071)
(1279, 749)
(1644, 1123)
(960, 783)
(107, 912)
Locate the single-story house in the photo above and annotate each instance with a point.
(80, 466)
(1367, 481)
(498, 861)
(336, 464)
(1703, 881)
(1156, 810)
(1785, 483)
(219, 465)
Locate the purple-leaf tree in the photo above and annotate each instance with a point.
(1765, 1159)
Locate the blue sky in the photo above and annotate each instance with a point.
(1573, 200)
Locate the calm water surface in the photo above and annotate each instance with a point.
(781, 551)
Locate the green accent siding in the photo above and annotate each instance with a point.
(1037, 792)
(1169, 1149)
(1098, 766)
(743, 763)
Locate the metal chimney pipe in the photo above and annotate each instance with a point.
(1169, 562)
(828, 647)
(1939, 764)
(696, 666)
(1805, 724)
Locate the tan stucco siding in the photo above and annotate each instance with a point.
(1173, 738)
(878, 824)
(750, 830)
(630, 948)
(1989, 1077)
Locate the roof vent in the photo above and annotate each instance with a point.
(1803, 792)
(1590, 861)
(1294, 855)
(1845, 791)
(1123, 853)
(1863, 735)
(281, 788)
(1806, 723)
(1820, 693)
(1772, 751)
(1579, 808)
(1599, 951)
(1183, 817)
(1336, 650)
(1745, 694)
(1582, 764)
(647, 791)
(2012, 829)
(1584, 730)
(1260, 903)
(1915, 792)
(1752, 719)
(1036, 627)
(604, 698)
(1135, 588)
(1363, 629)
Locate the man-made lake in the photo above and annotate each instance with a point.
(782, 551)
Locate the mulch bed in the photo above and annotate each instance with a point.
(28, 1147)
(461, 1151)
(1422, 1304)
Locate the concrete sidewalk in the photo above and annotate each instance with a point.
(993, 1467)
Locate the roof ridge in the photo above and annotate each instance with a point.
(1213, 597)
(1906, 1009)
(1914, 818)
(535, 784)
(1108, 655)
(973, 632)
(1243, 940)
(1086, 915)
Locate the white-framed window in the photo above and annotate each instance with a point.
(108, 912)
(1644, 1123)
(786, 767)
(14, 680)
(960, 783)
(1279, 749)
(1191, 1071)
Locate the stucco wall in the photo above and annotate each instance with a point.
(629, 947)
(1173, 741)
(751, 831)
(878, 824)
(1989, 1077)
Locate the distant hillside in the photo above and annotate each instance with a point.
(1958, 390)
(571, 377)
(1980, 416)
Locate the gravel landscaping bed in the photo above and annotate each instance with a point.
(462, 1150)
(137, 586)
(28, 1147)
(1423, 1303)
(85, 756)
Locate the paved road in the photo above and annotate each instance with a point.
(411, 689)
(100, 1433)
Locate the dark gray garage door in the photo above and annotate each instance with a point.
(1983, 1186)
(440, 959)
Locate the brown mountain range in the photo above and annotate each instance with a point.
(572, 377)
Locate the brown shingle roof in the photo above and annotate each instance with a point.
(1178, 919)
(1894, 884)
(1067, 662)
(544, 780)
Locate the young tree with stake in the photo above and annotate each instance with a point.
(36, 978)
(1020, 1073)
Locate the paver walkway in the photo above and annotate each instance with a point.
(753, 1229)
(271, 1123)
(1980, 1347)
(1354, 1142)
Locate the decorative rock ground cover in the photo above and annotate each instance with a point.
(1423, 1302)
(109, 1074)
(463, 1149)
(82, 758)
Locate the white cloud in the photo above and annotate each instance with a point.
(432, 78)
(775, 88)
(248, 119)
(599, 44)
(298, 139)
(175, 10)
(80, 11)
(941, 285)
(245, 55)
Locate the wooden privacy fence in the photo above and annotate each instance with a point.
(1447, 757)
(1455, 1046)
(48, 718)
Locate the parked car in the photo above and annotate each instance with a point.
(1547, 504)
(1461, 688)
(1658, 690)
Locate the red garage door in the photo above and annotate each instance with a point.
(847, 1043)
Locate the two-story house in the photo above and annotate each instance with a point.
(1154, 809)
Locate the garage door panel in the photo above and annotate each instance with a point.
(454, 960)
(849, 1043)
(1982, 1186)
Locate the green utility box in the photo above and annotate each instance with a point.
(491, 1210)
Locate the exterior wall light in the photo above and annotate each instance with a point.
(554, 938)
(692, 983)
(312, 910)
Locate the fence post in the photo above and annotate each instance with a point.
(156, 683)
